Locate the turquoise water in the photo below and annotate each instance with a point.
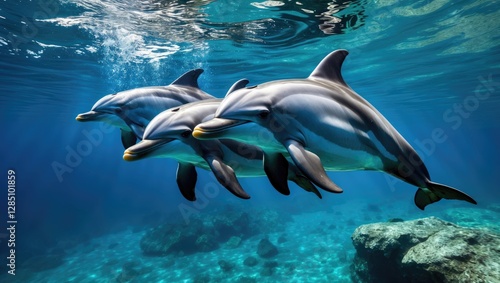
(427, 66)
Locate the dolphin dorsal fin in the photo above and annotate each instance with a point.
(189, 78)
(237, 85)
(330, 67)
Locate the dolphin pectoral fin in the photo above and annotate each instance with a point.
(276, 168)
(226, 176)
(296, 176)
(137, 130)
(435, 192)
(128, 138)
(310, 165)
(304, 183)
(186, 180)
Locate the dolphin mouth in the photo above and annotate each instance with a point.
(89, 116)
(143, 149)
(215, 128)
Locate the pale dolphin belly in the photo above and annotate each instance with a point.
(242, 166)
(182, 153)
(336, 157)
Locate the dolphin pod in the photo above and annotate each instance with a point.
(295, 129)
(168, 135)
(131, 110)
(321, 123)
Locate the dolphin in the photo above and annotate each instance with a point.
(169, 135)
(321, 123)
(131, 110)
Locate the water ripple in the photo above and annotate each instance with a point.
(152, 30)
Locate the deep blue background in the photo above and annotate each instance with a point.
(413, 68)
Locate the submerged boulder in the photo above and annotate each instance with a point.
(233, 242)
(266, 249)
(425, 250)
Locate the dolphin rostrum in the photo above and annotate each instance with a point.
(321, 123)
(169, 135)
(131, 110)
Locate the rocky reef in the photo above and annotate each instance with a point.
(425, 250)
(225, 228)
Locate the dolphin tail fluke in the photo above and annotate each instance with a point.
(435, 192)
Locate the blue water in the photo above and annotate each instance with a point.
(427, 66)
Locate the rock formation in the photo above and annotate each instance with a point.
(266, 249)
(425, 250)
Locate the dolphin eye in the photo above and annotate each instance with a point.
(186, 133)
(263, 114)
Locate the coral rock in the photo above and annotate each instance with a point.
(425, 250)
